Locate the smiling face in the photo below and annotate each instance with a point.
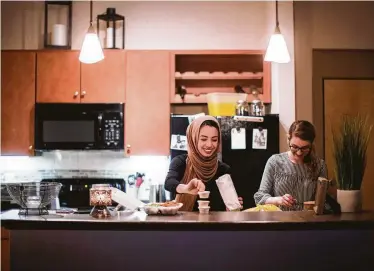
(299, 149)
(208, 140)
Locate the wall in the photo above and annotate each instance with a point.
(326, 25)
(174, 25)
(154, 25)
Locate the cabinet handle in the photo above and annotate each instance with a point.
(76, 94)
(128, 149)
(83, 93)
(30, 147)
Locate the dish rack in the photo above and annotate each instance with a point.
(34, 198)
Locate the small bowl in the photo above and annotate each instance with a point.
(204, 210)
(203, 203)
(309, 205)
(204, 194)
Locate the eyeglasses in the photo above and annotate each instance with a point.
(294, 148)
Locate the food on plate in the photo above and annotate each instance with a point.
(263, 208)
(164, 204)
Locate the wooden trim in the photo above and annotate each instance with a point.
(218, 52)
(266, 83)
(201, 99)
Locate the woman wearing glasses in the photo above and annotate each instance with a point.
(289, 178)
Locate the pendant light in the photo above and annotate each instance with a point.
(91, 51)
(277, 49)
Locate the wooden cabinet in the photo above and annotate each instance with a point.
(197, 73)
(58, 77)
(147, 108)
(105, 81)
(61, 78)
(17, 102)
(5, 250)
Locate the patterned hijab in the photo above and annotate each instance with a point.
(197, 166)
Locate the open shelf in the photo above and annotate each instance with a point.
(203, 72)
(218, 76)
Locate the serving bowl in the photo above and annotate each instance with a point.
(162, 208)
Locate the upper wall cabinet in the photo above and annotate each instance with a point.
(197, 73)
(17, 102)
(104, 82)
(147, 107)
(61, 78)
(58, 77)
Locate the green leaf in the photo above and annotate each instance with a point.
(350, 143)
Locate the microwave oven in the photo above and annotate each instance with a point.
(68, 126)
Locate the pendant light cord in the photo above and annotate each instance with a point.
(276, 13)
(91, 12)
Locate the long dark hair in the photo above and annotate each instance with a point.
(305, 131)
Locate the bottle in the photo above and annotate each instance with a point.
(257, 106)
(241, 108)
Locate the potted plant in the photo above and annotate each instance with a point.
(350, 143)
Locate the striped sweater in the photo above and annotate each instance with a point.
(281, 176)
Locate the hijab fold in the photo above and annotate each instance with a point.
(197, 166)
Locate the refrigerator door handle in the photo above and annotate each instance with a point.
(249, 119)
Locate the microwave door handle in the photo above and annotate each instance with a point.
(100, 127)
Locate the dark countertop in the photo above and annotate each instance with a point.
(244, 221)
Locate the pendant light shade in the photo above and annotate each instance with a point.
(277, 49)
(91, 51)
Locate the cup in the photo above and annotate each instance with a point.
(203, 203)
(204, 210)
(204, 194)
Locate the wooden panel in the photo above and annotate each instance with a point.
(350, 97)
(4, 233)
(147, 117)
(104, 82)
(5, 250)
(5, 255)
(266, 83)
(58, 77)
(17, 102)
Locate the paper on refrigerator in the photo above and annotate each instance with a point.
(228, 192)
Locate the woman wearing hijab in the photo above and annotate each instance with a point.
(198, 170)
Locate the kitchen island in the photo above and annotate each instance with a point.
(190, 241)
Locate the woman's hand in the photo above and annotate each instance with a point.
(285, 200)
(193, 187)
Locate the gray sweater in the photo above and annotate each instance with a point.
(281, 176)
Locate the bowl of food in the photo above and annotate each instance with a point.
(163, 208)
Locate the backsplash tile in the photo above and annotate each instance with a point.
(83, 164)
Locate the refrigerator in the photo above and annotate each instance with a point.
(247, 144)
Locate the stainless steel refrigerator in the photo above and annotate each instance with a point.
(247, 144)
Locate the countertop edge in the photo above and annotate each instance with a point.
(186, 226)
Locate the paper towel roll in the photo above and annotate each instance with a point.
(109, 37)
(59, 36)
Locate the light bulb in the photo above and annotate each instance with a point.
(277, 49)
(91, 51)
